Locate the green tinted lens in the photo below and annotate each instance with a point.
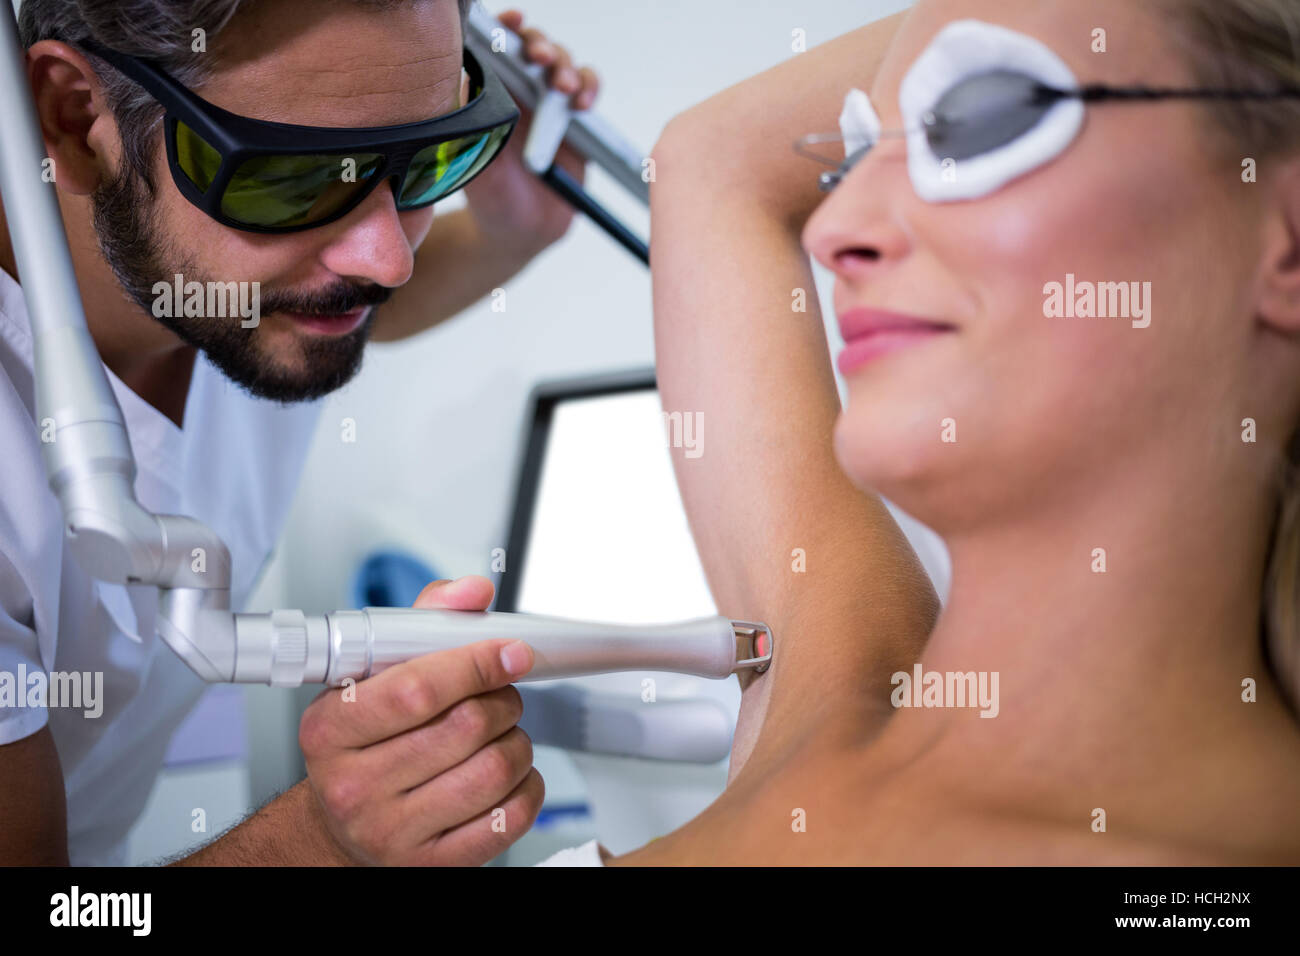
(198, 160)
(284, 191)
(443, 168)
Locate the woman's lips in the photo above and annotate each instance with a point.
(330, 324)
(871, 333)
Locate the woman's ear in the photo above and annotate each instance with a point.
(1279, 300)
(69, 98)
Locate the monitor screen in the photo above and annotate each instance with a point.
(609, 539)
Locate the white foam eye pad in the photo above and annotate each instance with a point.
(859, 124)
(978, 112)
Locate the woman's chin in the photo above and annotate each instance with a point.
(881, 456)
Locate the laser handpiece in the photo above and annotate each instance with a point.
(287, 648)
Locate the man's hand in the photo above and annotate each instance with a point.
(420, 765)
(511, 205)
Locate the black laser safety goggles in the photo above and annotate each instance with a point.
(266, 177)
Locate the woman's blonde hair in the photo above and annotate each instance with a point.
(1255, 44)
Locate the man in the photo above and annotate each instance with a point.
(220, 409)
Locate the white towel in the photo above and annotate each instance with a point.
(589, 854)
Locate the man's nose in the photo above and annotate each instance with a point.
(378, 241)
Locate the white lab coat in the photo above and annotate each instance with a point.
(234, 466)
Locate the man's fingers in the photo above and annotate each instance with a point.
(477, 785)
(473, 592)
(495, 831)
(511, 19)
(537, 48)
(412, 693)
(419, 755)
(490, 833)
(586, 96)
(582, 85)
(562, 76)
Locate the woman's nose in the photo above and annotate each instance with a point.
(859, 228)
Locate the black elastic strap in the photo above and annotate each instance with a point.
(1097, 92)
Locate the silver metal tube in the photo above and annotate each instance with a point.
(87, 453)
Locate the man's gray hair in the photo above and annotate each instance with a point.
(159, 30)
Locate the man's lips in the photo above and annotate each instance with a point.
(330, 324)
(870, 333)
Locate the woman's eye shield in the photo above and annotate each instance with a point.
(983, 105)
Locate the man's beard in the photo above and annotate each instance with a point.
(130, 240)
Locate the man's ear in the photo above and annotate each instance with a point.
(69, 99)
(1279, 300)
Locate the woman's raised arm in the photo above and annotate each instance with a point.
(783, 535)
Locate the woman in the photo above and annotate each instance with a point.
(1114, 491)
